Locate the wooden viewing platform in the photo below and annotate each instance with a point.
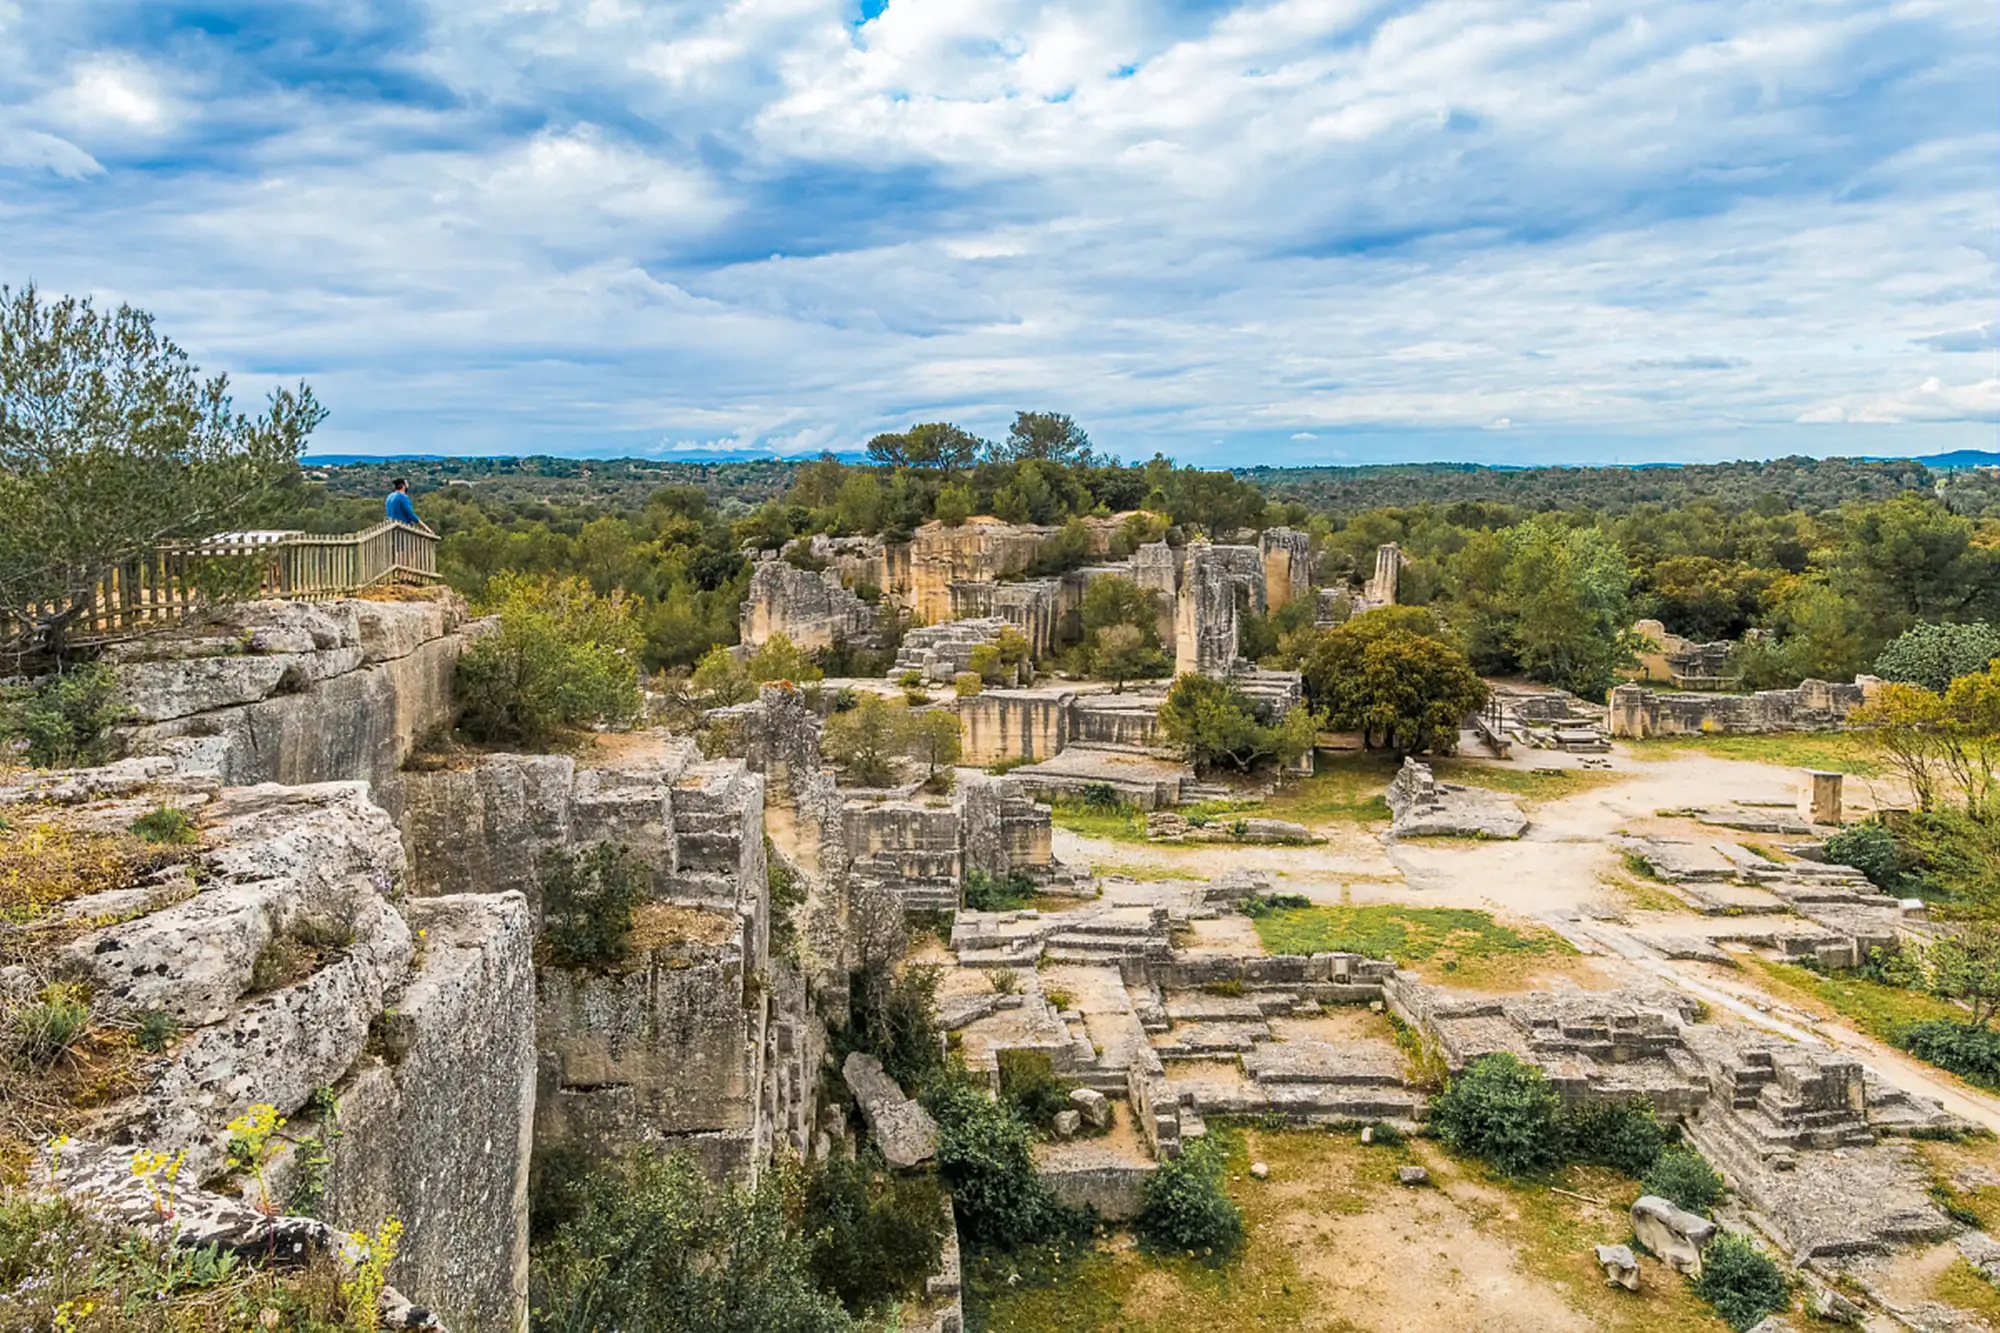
(161, 587)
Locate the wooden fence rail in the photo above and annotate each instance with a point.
(159, 589)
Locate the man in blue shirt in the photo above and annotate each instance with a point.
(398, 505)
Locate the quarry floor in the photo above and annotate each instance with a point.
(1335, 1243)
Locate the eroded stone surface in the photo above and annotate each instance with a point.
(903, 1130)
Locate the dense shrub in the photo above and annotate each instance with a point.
(64, 721)
(1932, 656)
(875, 1235)
(1005, 893)
(1741, 1281)
(1684, 1178)
(1030, 1084)
(894, 1018)
(1874, 850)
(561, 658)
(1969, 1050)
(1625, 1136)
(660, 1248)
(986, 1156)
(44, 1028)
(1187, 1210)
(587, 902)
(1504, 1112)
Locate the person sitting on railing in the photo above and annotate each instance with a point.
(398, 505)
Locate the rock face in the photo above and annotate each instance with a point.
(297, 693)
(297, 972)
(939, 652)
(813, 610)
(1427, 808)
(1677, 1237)
(903, 1130)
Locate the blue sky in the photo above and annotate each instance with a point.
(1235, 233)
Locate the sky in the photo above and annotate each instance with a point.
(1234, 233)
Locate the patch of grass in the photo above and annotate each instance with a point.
(1967, 1288)
(1344, 788)
(1644, 895)
(1876, 1009)
(164, 824)
(1763, 853)
(1834, 751)
(44, 865)
(1091, 819)
(1450, 939)
(1525, 783)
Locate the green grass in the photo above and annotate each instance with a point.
(1523, 781)
(1344, 787)
(1876, 1009)
(1834, 751)
(1114, 823)
(1457, 940)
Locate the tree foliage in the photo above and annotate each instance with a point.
(1187, 1210)
(1932, 656)
(112, 445)
(1404, 688)
(876, 1235)
(986, 1156)
(63, 720)
(1047, 437)
(1504, 1112)
(587, 902)
(1215, 725)
(1741, 1281)
(930, 444)
(561, 658)
(660, 1248)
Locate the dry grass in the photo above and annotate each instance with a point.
(658, 926)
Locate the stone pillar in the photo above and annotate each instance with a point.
(1819, 797)
(1381, 590)
(1629, 715)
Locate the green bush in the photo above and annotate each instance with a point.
(788, 894)
(165, 825)
(561, 658)
(47, 1026)
(894, 1019)
(1187, 1210)
(1503, 1112)
(1625, 1136)
(1684, 1178)
(155, 1030)
(587, 903)
(875, 1235)
(987, 893)
(1932, 656)
(660, 1248)
(986, 1157)
(65, 719)
(1876, 852)
(1030, 1084)
(1741, 1281)
(1215, 725)
(1966, 1049)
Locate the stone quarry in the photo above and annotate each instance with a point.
(410, 887)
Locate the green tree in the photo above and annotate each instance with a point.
(954, 505)
(868, 738)
(111, 447)
(932, 739)
(1934, 655)
(658, 1247)
(1402, 689)
(931, 444)
(587, 904)
(1122, 653)
(1566, 604)
(986, 1155)
(1214, 724)
(876, 1235)
(1503, 1111)
(560, 658)
(1909, 558)
(1048, 437)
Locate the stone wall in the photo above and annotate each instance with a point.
(996, 726)
(910, 846)
(1036, 607)
(1001, 830)
(980, 550)
(296, 692)
(1815, 705)
(940, 652)
(813, 610)
(1287, 565)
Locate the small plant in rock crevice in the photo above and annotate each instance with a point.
(155, 1031)
(587, 904)
(47, 1027)
(166, 825)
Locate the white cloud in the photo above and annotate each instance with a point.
(32, 148)
(111, 93)
(1933, 400)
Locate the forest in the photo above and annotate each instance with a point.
(1812, 566)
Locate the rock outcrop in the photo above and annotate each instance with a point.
(1426, 808)
(814, 610)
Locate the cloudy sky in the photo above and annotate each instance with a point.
(1311, 230)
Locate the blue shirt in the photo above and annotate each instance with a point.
(400, 508)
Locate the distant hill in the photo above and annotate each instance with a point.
(1958, 458)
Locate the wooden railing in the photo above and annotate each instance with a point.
(160, 588)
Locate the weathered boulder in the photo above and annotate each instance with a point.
(1678, 1237)
(903, 1130)
(1066, 1123)
(1412, 1175)
(1093, 1106)
(1426, 808)
(1620, 1265)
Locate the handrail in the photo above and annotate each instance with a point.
(159, 588)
